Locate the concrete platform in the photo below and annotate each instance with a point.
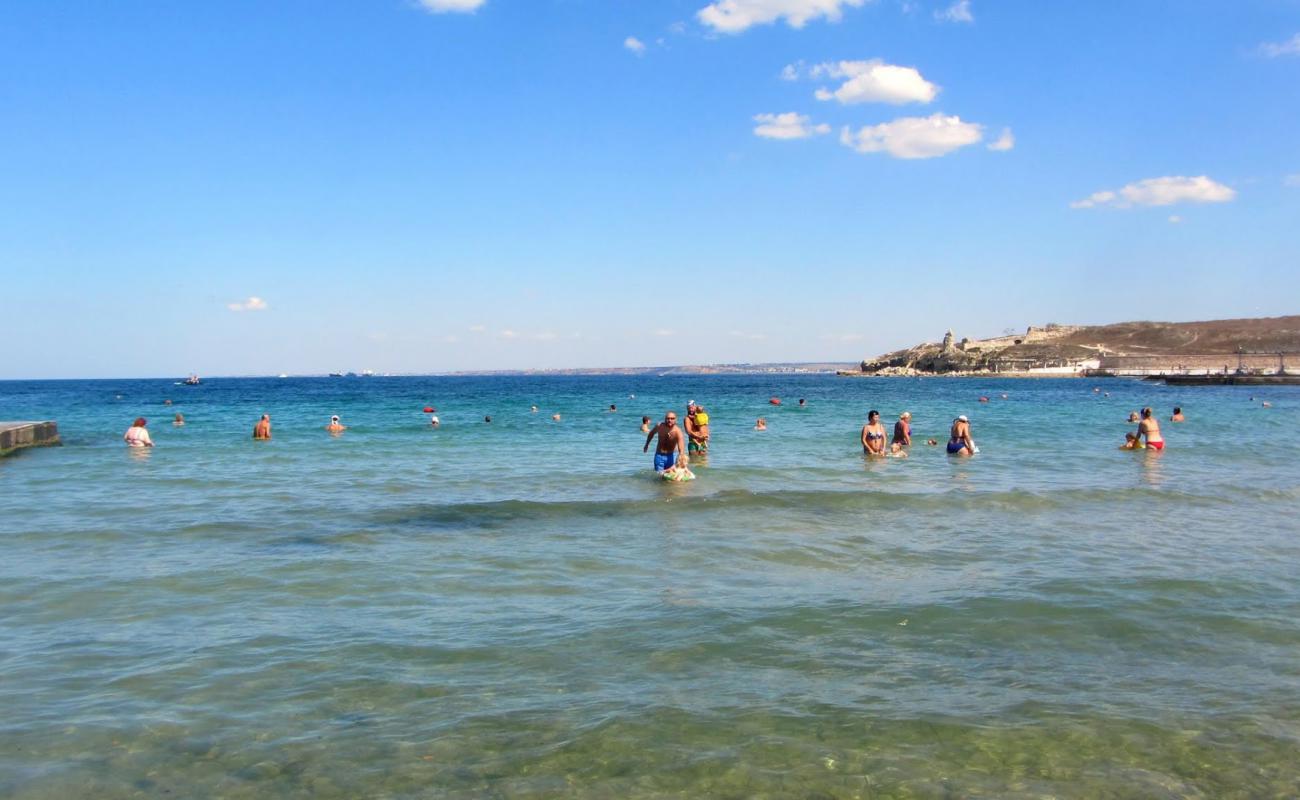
(15, 436)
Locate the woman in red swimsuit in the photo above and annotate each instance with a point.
(1150, 429)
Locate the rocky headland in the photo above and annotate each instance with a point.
(1239, 344)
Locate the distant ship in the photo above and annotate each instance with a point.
(282, 375)
(192, 380)
(336, 374)
(367, 373)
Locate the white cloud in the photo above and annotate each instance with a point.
(1005, 142)
(871, 81)
(1292, 180)
(914, 137)
(1160, 192)
(1291, 47)
(455, 6)
(251, 304)
(746, 335)
(787, 126)
(508, 334)
(959, 11)
(665, 332)
(478, 329)
(734, 16)
(1174, 219)
(635, 45)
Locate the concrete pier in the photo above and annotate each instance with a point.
(15, 436)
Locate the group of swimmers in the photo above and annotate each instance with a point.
(138, 434)
(1147, 436)
(675, 444)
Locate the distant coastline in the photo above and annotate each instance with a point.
(1243, 347)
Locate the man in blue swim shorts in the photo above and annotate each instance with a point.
(672, 444)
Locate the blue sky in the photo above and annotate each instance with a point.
(555, 183)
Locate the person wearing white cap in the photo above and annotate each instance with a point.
(334, 426)
(959, 441)
(903, 430)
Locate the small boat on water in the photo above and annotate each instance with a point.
(336, 374)
(192, 380)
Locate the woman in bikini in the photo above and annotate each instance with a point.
(1150, 429)
(873, 435)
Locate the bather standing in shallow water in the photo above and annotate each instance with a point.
(960, 442)
(1150, 429)
(903, 430)
(873, 435)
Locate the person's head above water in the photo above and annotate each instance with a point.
(873, 415)
(905, 415)
(334, 418)
(139, 422)
(962, 418)
(1146, 412)
(1178, 409)
(670, 418)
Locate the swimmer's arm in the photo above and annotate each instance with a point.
(865, 445)
(648, 437)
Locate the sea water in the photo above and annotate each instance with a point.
(521, 609)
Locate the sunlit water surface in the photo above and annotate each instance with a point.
(521, 609)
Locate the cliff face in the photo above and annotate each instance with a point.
(1066, 347)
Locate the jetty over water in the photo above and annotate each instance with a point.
(15, 436)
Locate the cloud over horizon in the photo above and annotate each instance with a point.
(736, 16)
(635, 45)
(1291, 47)
(1006, 141)
(791, 125)
(871, 81)
(451, 6)
(1165, 191)
(959, 11)
(251, 304)
(914, 137)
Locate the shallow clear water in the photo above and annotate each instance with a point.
(521, 610)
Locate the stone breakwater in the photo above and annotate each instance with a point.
(15, 436)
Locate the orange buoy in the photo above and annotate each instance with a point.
(776, 401)
(429, 409)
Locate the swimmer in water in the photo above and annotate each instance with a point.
(645, 424)
(334, 426)
(932, 442)
(896, 450)
(262, 430)
(760, 425)
(873, 435)
(1133, 417)
(1150, 429)
(612, 408)
(179, 420)
(555, 417)
(488, 419)
(671, 447)
(1132, 442)
(1178, 415)
(803, 403)
(960, 442)
(903, 429)
(533, 409)
(137, 435)
(434, 421)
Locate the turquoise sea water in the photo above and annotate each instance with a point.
(521, 610)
